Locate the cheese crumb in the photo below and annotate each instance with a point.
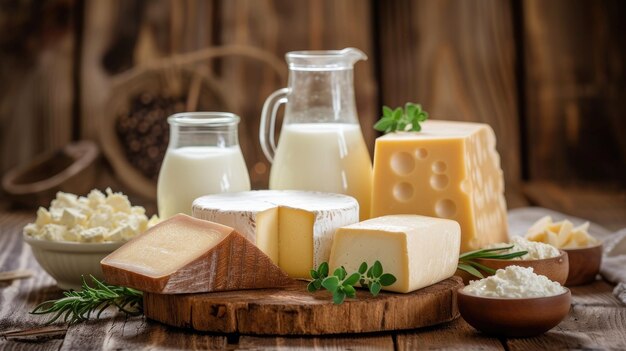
(95, 218)
(536, 250)
(561, 234)
(514, 282)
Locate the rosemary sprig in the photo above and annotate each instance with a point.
(77, 306)
(468, 264)
(341, 284)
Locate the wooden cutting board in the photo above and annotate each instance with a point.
(293, 310)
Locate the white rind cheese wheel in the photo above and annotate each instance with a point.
(294, 228)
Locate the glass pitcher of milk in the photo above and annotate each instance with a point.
(321, 146)
(203, 157)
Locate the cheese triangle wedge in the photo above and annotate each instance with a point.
(186, 255)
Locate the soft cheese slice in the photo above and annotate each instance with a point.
(448, 170)
(294, 228)
(188, 255)
(419, 251)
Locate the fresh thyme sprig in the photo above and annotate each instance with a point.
(468, 264)
(341, 285)
(401, 120)
(77, 306)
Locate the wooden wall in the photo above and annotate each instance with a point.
(548, 76)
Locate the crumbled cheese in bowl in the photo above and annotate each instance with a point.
(536, 250)
(98, 217)
(514, 282)
(561, 234)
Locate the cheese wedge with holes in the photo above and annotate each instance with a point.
(186, 255)
(294, 228)
(448, 170)
(419, 251)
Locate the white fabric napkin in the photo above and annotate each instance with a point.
(613, 266)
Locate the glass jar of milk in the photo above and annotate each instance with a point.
(321, 146)
(203, 157)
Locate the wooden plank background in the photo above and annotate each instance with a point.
(549, 77)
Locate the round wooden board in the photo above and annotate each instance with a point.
(293, 310)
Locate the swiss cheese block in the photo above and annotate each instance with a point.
(448, 170)
(188, 255)
(294, 228)
(419, 251)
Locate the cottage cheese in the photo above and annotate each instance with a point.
(98, 217)
(514, 282)
(561, 234)
(536, 250)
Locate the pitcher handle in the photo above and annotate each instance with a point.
(266, 131)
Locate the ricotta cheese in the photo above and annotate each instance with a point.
(95, 218)
(536, 250)
(514, 282)
(561, 234)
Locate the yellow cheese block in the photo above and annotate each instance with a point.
(448, 170)
(419, 251)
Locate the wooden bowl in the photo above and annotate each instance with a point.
(70, 169)
(514, 317)
(555, 268)
(584, 264)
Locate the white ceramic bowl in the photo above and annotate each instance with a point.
(68, 261)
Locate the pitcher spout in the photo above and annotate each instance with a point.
(353, 55)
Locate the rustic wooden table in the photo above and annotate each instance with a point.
(597, 320)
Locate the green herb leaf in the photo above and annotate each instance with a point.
(323, 269)
(377, 269)
(331, 283)
(363, 268)
(387, 111)
(338, 297)
(375, 288)
(397, 114)
(399, 119)
(387, 279)
(468, 264)
(469, 269)
(349, 290)
(77, 306)
(484, 252)
(481, 267)
(340, 273)
(341, 285)
(311, 287)
(352, 279)
(383, 124)
(314, 274)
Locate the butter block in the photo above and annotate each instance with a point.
(187, 255)
(294, 228)
(419, 251)
(448, 170)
